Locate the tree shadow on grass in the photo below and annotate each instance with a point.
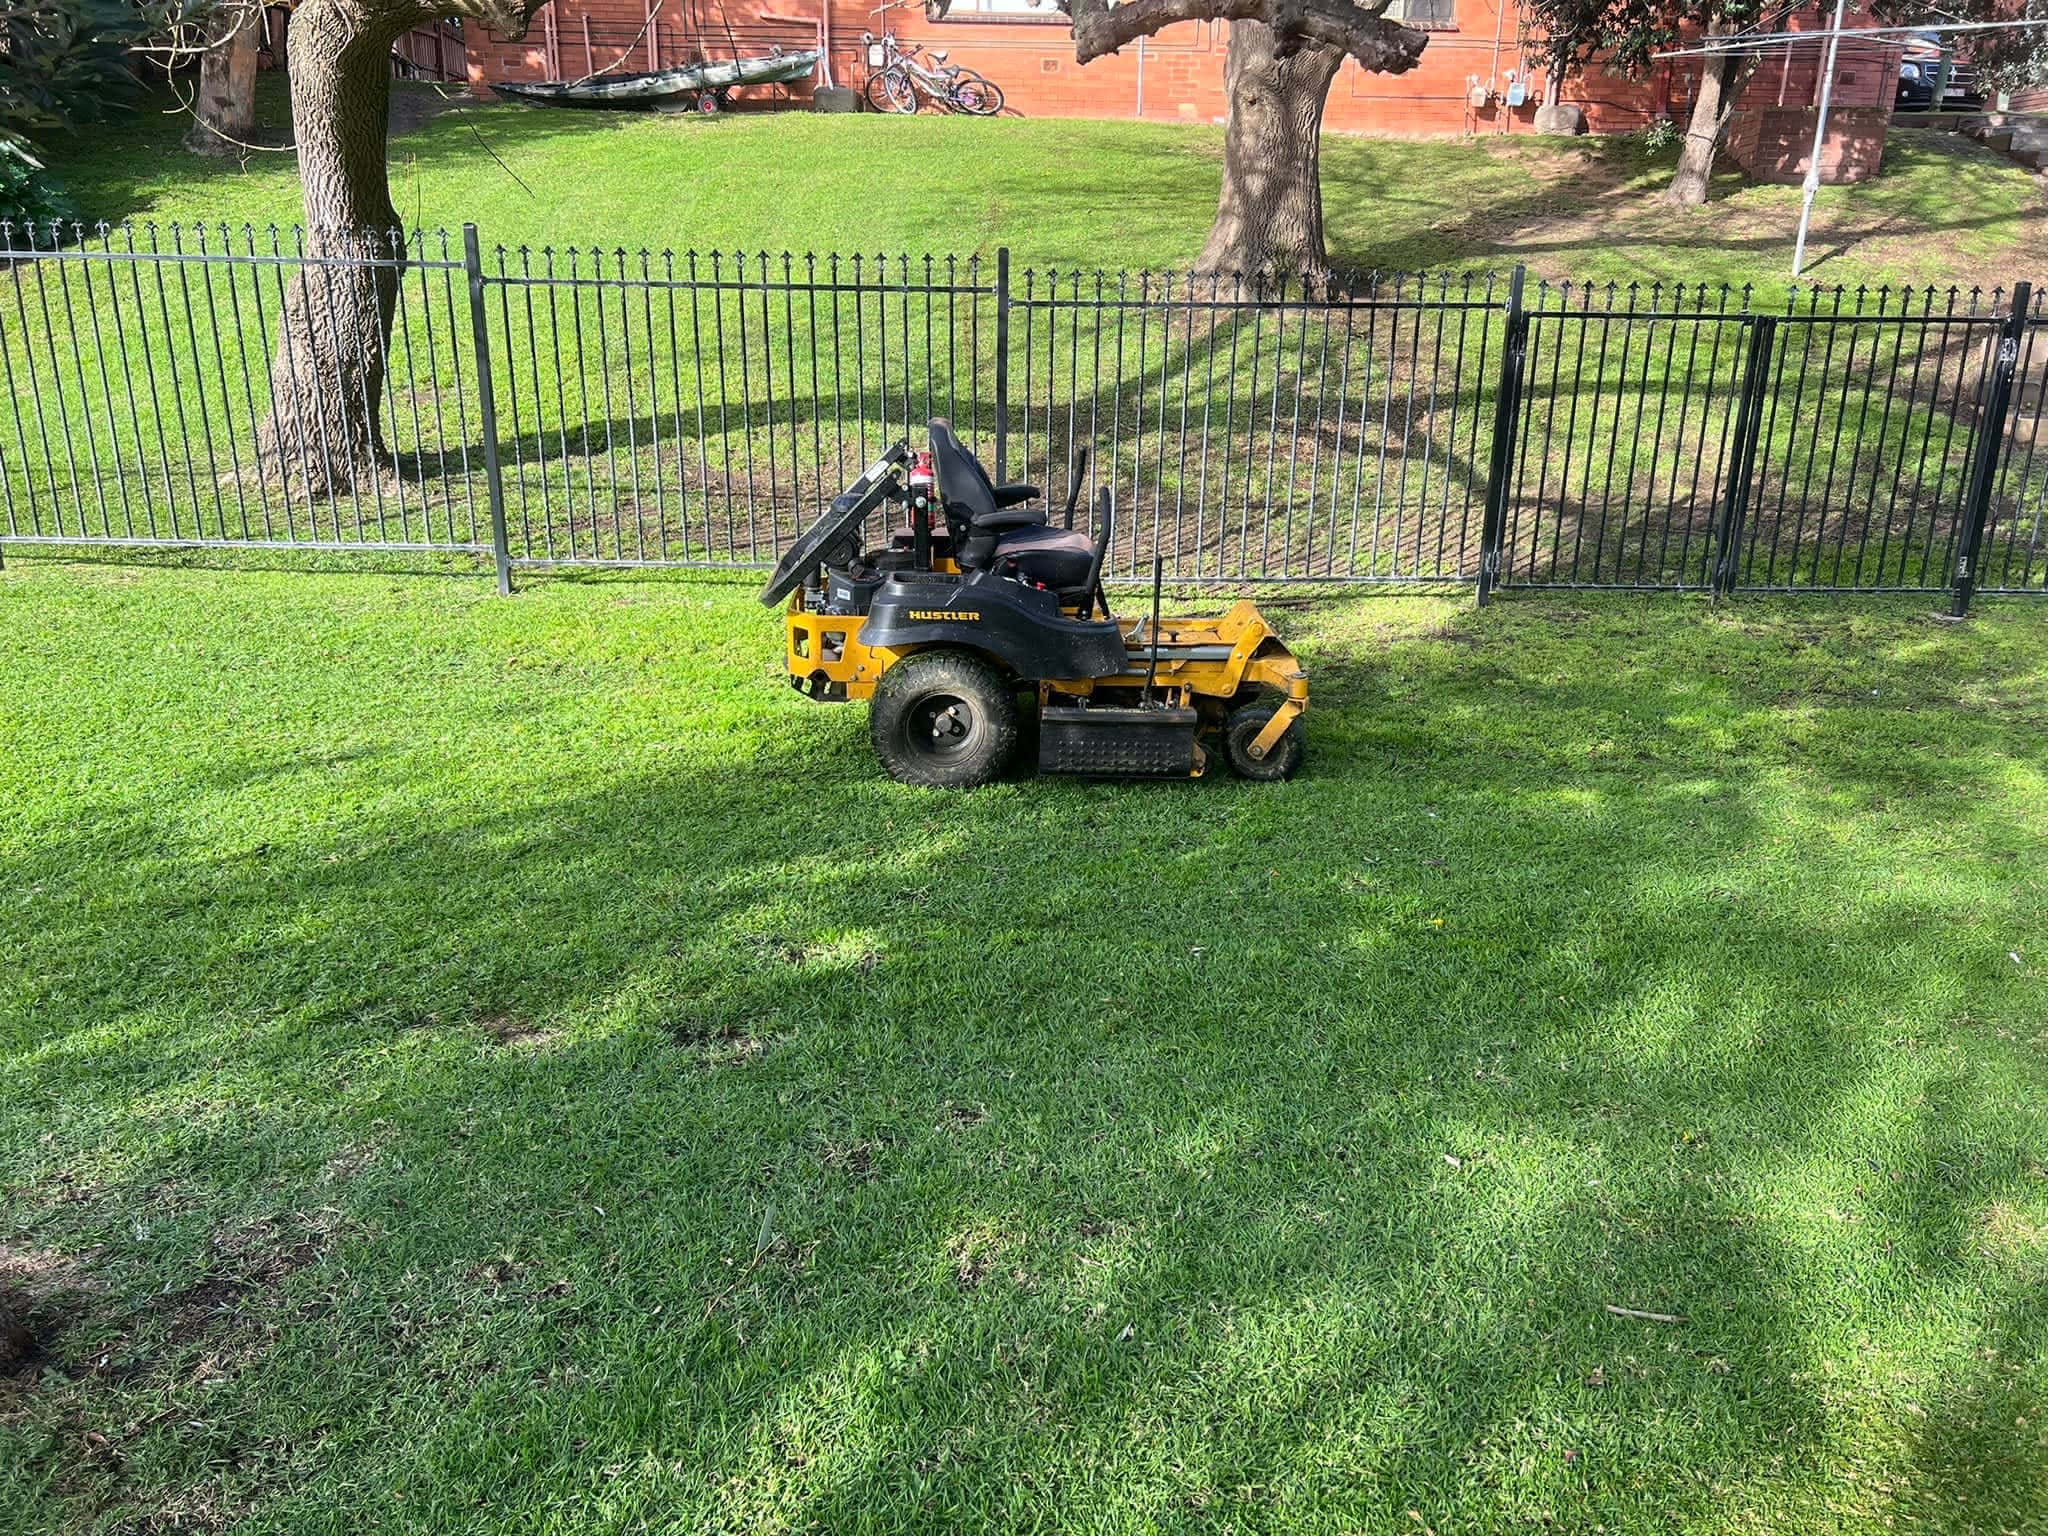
(1200, 1155)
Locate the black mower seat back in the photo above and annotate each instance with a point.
(966, 490)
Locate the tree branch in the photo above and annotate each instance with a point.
(507, 18)
(1361, 30)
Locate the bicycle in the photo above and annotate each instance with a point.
(901, 78)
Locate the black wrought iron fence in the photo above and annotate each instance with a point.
(1313, 430)
(596, 406)
(698, 409)
(138, 366)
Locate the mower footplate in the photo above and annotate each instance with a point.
(1105, 743)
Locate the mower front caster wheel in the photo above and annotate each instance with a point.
(1242, 728)
(944, 720)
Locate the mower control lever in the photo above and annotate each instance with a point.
(1074, 484)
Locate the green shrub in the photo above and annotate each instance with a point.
(29, 194)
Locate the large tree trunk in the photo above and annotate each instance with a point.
(327, 378)
(1712, 106)
(1270, 216)
(224, 113)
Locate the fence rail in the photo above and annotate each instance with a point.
(595, 406)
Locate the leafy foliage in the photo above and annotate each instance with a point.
(1626, 35)
(65, 61)
(29, 195)
(2007, 60)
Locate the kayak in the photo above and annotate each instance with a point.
(709, 80)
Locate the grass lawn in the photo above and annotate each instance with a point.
(478, 1065)
(1096, 194)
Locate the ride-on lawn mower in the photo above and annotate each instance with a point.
(981, 598)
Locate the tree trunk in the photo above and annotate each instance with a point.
(1712, 106)
(1270, 215)
(327, 378)
(225, 111)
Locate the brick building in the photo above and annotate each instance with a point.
(1473, 68)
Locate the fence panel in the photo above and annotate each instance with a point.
(1628, 397)
(1296, 430)
(2015, 549)
(137, 368)
(1868, 428)
(699, 409)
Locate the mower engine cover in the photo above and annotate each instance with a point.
(1021, 627)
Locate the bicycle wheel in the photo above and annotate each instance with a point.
(891, 91)
(976, 94)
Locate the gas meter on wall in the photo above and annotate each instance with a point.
(1518, 89)
(1476, 95)
(878, 56)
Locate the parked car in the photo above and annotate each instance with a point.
(1920, 71)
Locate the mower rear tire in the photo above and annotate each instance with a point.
(944, 719)
(1241, 729)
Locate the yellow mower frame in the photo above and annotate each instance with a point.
(826, 657)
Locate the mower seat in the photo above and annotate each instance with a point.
(1060, 558)
(999, 535)
(966, 492)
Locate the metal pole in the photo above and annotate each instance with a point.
(487, 401)
(1002, 360)
(1820, 134)
(1745, 421)
(1941, 78)
(1990, 447)
(1506, 417)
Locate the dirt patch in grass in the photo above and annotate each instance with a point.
(855, 1159)
(41, 1295)
(219, 1320)
(223, 1314)
(962, 1117)
(511, 1029)
(971, 1267)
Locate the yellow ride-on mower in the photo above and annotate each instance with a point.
(982, 600)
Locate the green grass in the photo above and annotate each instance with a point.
(1093, 194)
(513, 1066)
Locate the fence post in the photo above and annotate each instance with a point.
(1994, 402)
(1002, 361)
(1507, 415)
(1749, 411)
(487, 401)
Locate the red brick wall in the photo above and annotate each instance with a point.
(1775, 143)
(1178, 73)
(1176, 77)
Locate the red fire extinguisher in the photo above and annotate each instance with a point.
(923, 484)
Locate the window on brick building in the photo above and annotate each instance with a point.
(1042, 10)
(1424, 13)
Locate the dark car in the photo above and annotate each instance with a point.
(1920, 70)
